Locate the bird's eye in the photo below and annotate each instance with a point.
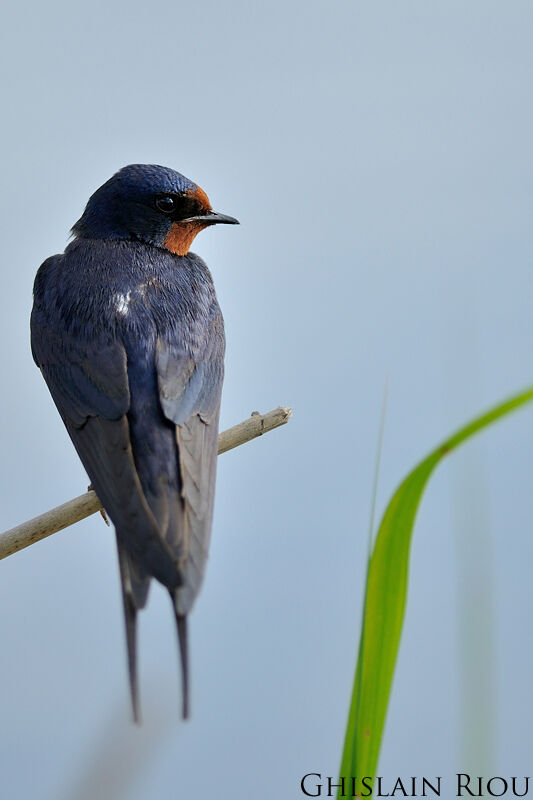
(166, 203)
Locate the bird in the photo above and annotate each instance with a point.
(129, 337)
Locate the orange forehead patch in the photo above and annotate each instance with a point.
(181, 235)
(202, 198)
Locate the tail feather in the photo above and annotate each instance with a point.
(130, 614)
(181, 624)
(135, 587)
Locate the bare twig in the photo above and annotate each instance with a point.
(254, 426)
(86, 504)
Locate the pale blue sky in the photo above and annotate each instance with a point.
(379, 158)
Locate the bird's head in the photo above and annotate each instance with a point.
(151, 204)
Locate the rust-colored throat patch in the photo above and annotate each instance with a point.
(181, 236)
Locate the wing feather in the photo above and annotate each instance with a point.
(194, 408)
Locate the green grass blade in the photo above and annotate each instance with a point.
(384, 604)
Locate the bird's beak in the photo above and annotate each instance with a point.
(212, 218)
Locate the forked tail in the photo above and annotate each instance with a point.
(135, 585)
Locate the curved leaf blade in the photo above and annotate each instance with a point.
(384, 604)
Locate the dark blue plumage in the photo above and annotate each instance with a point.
(122, 207)
(128, 334)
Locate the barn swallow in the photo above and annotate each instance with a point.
(128, 334)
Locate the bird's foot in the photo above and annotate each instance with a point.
(104, 516)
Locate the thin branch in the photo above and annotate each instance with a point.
(86, 504)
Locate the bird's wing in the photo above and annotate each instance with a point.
(89, 384)
(189, 392)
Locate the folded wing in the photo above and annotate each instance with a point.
(189, 392)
